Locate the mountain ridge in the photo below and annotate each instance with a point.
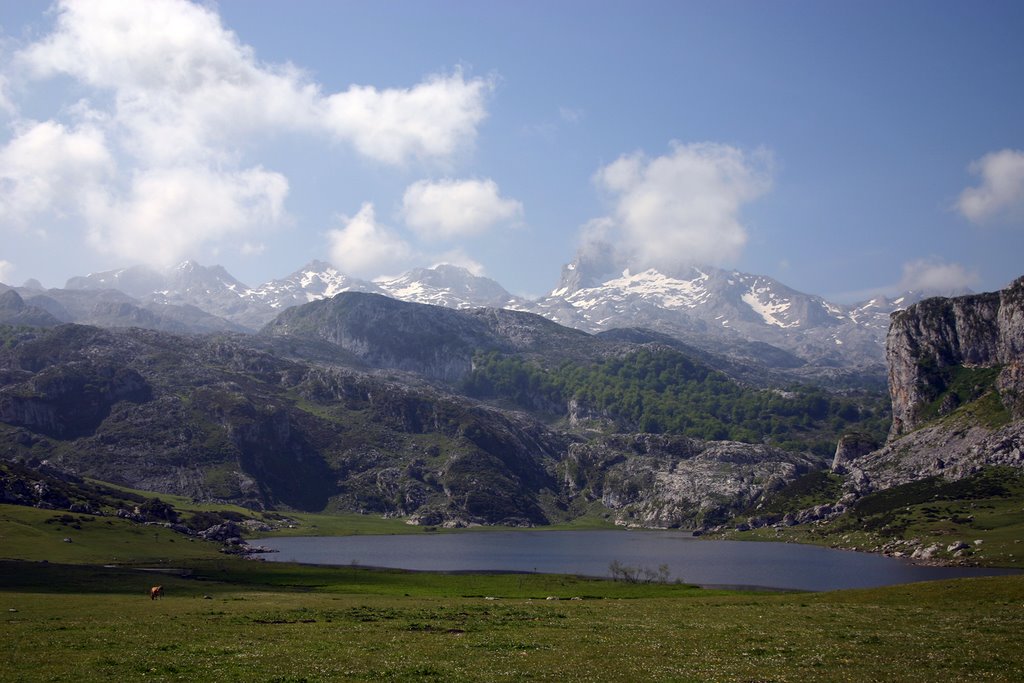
(717, 310)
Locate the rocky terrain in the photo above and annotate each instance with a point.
(353, 403)
(956, 379)
(671, 481)
(362, 402)
(431, 341)
(952, 466)
(215, 420)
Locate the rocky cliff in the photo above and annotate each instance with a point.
(674, 481)
(956, 379)
(936, 349)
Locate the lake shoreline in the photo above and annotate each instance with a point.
(631, 555)
(698, 533)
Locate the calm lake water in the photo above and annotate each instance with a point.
(588, 553)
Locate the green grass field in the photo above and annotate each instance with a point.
(286, 623)
(225, 618)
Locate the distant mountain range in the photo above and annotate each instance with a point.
(749, 317)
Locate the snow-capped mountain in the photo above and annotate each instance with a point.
(719, 310)
(214, 290)
(315, 280)
(711, 307)
(452, 287)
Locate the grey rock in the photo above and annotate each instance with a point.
(850, 448)
(981, 330)
(673, 481)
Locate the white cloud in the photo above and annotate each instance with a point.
(456, 208)
(935, 276)
(6, 269)
(684, 207)
(47, 169)
(1002, 186)
(170, 212)
(6, 103)
(367, 249)
(151, 163)
(183, 86)
(432, 120)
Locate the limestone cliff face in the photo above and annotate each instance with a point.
(930, 338)
(675, 481)
(956, 378)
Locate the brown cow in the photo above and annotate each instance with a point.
(156, 592)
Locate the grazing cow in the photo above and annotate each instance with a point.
(156, 592)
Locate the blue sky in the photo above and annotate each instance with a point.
(846, 149)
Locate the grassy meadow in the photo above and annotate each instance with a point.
(83, 615)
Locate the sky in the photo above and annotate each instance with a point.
(847, 149)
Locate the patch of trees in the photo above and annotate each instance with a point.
(663, 391)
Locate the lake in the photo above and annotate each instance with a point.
(589, 553)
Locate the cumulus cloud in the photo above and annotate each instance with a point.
(434, 119)
(6, 269)
(153, 165)
(48, 169)
(456, 208)
(934, 275)
(168, 212)
(681, 208)
(182, 83)
(1002, 186)
(367, 249)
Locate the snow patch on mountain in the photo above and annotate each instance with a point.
(699, 305)
(450, 286)
(650, 285)
(767, 308)
(316, 280)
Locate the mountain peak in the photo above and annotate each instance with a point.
(316, 265)
(451, 286)
(135, 281)
(191, 274)
(11, 301)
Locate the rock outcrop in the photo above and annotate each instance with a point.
(943, 450)
(675, 481)
(956, 379)
(851, 447)
(928, 340)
